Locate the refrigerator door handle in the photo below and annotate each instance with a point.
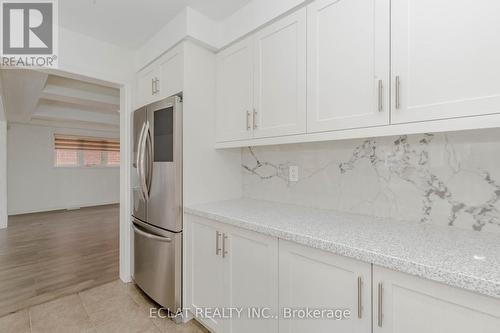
(151, 236)
(142, 164)
(149, 144)
(138, 164)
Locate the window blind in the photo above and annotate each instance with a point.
(69, 142)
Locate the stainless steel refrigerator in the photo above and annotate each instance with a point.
(157, 201)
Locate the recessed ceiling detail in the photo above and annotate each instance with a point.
(34, 97)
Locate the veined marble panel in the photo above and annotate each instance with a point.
(448, 179)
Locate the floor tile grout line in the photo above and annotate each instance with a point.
(29, 319)
(94, 326)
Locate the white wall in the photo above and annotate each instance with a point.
(34, 184)
(3, 173)
(84, 55)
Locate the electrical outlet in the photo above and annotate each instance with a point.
(293, 173)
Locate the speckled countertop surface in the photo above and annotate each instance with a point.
(459, 258)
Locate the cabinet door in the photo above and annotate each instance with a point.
(171, 69)
(310, 278)
(445, 54)
(146, 91)
(234, 92)
(251, 280)
(204, 268)
(414, 305)
(280, 77)
(348, 64)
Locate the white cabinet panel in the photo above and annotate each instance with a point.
(251, 279)
(205, 275)
(171, 73)
(242, 273)
(445, 54)
(146, 85)
(414, 305)
(162, 79)
(235, 91)
(280, 77)
(348, 64)
(321, 280)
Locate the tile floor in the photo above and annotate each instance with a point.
(113, 307)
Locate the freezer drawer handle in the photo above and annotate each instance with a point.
(151, 236)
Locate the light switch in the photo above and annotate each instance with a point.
(293, 173)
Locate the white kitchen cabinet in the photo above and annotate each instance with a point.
(171, 72)
(405, 303)
(348, 81)
(445, 59)
(161, 79)
(320, 280)
(231, 267)
(251, 279)
(280, 77)
(261, 83)
(146, 82)
(235, 92)
(204, 268)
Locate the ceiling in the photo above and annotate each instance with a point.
(38, 98)
(130, 23)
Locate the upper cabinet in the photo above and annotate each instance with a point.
(146, 90)
(162, 79)
(261, 83)
(235, 91)
(348, 64)
(280, 77)
(341, 69)
(445, 59)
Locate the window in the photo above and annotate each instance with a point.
(72, 151)
(66, 158)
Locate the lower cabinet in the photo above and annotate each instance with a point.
(251, 280)
(205, 286)
(315, 279)
(407, 304)
(233, 268)
(237, 269)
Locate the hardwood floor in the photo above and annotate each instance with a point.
(44, 256)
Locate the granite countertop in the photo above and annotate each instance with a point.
(459, 258)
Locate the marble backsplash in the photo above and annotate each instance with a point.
(448, 179)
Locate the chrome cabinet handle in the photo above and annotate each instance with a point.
(360, 297)
(151, 236)
(380, 96)
(217, 243)
(254, 119)
(398, 91)
(157, 85)
(224, 252)
(380, 304)
(248, 120)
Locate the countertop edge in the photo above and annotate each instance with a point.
(453, 279)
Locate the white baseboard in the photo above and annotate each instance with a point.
(49, 209)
